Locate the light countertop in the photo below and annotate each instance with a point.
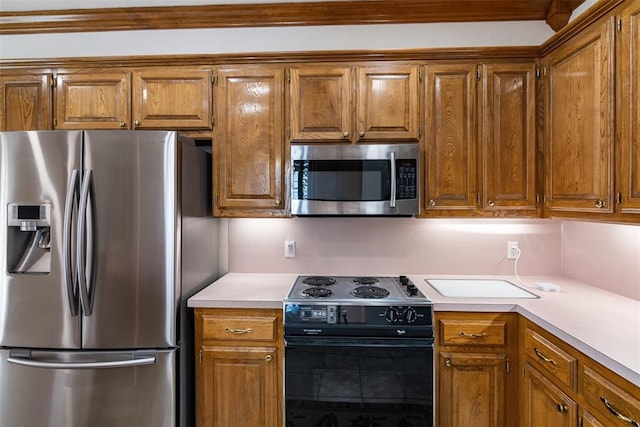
(603, 325)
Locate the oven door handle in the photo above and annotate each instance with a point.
(359, 342)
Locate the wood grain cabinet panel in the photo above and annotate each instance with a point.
(321, 104)
(628, 104)
(476, 369)
(249, 158)
(239, 367)
(508, 138)
(96, 100)
(26, 102)
(451, 153)
(172, 98)
(579, 121)
(388, 105)
(545, 404)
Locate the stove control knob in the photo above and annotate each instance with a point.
(391, 315)
(413, 290)
(404, 280)
(409, 315)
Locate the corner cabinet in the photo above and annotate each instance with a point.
(249, 147)
(369, 103)
(476, 382)
(563, 387)
(579, 123)
(480, 140)
(26, 102)
(628, 95)
(239, 367)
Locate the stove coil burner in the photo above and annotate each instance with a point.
(319, 281)
(365, 280)
(370, 292)
(317, 292)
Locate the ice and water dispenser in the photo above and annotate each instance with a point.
(29, 238)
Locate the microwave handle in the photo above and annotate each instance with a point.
(392, 202)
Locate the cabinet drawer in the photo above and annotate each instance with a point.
(239, 328)
(618, 407)
(472, 332)
(550, 358)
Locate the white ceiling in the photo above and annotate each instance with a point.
(31, 5)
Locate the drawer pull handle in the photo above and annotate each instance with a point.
(543, 357)
(466, 335)
(562, 408)
(617, 414)
(238, 331)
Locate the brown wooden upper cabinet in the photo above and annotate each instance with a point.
(628, 105)
(355, 104)
(97, 100)
(579, 123)
(172, 98)
(249, 147)
(26, 102)
(480, 139)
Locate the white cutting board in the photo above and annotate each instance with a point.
(478, 288)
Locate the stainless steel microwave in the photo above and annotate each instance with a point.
(368, 179)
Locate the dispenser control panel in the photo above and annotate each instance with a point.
(29, 216)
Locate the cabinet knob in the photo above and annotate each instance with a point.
(269, 358)
(277, 202)
(447, 363)
(122, 124)
(136, 123)
(600, 204)
(562, 408)
(491, 203)
(432, 202)
(345, 134)
(361, 133)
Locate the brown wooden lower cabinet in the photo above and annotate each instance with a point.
(239, 360)
(544, 403)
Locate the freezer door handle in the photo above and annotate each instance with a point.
(69, 278)
(123, 363)
(85, 242)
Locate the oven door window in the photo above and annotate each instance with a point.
(353, 386)
(342, 180)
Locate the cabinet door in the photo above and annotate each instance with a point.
(588, 420)
(388, 105)
(239, 387)
(173, 98)
(25, 102)
(321, 105)
(545, 404)
(451, 138)
(471, 389)
(629, 105)
(92, 100)
(579, 123)
(249, 142)
(507, 130)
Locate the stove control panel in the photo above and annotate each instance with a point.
(410, 290)
(354, 315)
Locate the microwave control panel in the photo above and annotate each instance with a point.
(407, 179)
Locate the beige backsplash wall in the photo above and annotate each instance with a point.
(602, 255)
(393, 246)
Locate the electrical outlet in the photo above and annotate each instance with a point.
(512, 250)
(290, 248)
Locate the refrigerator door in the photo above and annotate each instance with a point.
(38, 301)
(128, 269)
(80, 389)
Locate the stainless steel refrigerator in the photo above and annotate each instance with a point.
(103, 237)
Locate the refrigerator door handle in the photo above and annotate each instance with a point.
(85, 241)
(123, 363)
(69, 278)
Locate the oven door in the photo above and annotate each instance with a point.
(350, 381)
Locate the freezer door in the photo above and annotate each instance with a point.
(131, 232)
(87, 389)
(38, 304)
